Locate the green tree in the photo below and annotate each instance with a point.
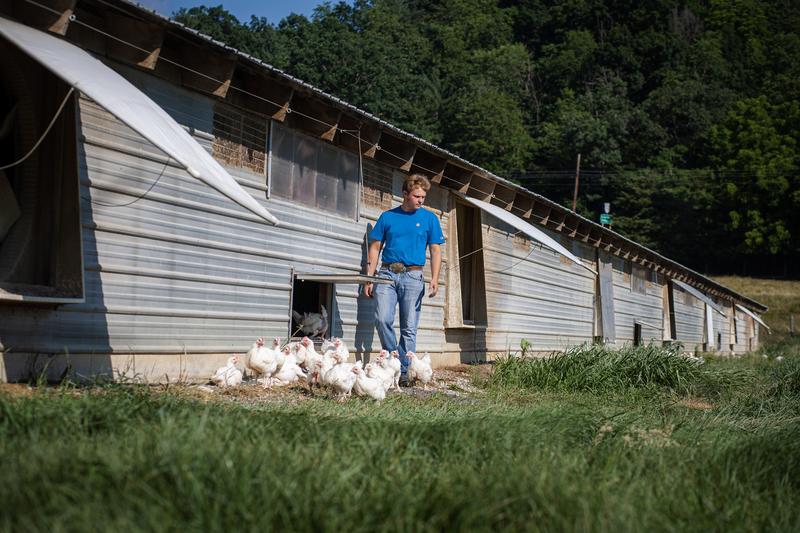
(756, 153)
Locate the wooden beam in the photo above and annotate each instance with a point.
(147, 39)
(206, 69)
(331, 133)
(429, 164)
(522, 205)
(541, 213)
(574, 232)
(559, 223)
(504, 196)
(67, 8)
(259, 93)
(396, 151)
(314, 116)
(456, 177)
(481, 187)
(374, 145)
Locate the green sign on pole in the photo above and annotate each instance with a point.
(605, 219)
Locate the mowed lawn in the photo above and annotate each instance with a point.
(633, 441)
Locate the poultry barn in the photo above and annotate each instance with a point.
(184, 198)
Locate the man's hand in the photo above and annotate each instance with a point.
(368, 289)
(434, 288)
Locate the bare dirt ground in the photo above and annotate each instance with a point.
(455, 381)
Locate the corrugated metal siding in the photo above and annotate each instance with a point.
(534, 293)
(630, 306)
(181, 269)
(722, 326)
(744, 331)
(689, 319)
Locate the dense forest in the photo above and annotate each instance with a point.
(686, 115)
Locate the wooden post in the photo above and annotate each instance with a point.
(577, 175)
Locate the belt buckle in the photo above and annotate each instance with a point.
(397, 268)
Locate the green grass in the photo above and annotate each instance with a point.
(601, 369)
(598, 452)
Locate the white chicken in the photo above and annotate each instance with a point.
(341, 349)
(228, 375)
(290, 371)
(391, 361)
(419, 368)
(341, 379)
(306, 354)
(276, 349)
(320, 370)
(384, 375)
(262, 361)
(312, 324)
(366, 385)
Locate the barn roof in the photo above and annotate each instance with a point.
(129, 33)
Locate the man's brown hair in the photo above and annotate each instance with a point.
(416, 180)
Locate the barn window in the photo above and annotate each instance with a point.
(40, 236)
(639, 277)
(637, 334)
(377, 191)
(313, 172)
(240, 140)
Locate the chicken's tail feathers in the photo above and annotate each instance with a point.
(324, 312)
(297, 316)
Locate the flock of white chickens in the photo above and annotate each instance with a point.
(299, 361)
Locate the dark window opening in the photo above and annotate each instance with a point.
(719, 341)
(312, 306)
(470, 245)
(40, 241)
(637, 334)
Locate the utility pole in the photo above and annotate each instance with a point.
(577, 175)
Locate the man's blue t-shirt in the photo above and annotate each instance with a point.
(405, 235)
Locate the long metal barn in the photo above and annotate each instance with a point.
(184, 198)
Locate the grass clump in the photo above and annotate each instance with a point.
(600, 369)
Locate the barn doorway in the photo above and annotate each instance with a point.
(312, 307)
(470, 262)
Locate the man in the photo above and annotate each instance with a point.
(404, 232)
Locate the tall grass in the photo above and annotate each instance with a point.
(597, 369)
(130, 459)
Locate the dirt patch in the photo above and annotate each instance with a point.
(694, 403)
(16, 390)
(457, 381)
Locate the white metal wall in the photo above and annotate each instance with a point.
(630, 306)
(535, 293)
(689, 319)
(179, 268)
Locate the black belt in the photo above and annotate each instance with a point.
(398, 268)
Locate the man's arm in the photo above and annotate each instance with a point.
(372, 265)
(436, 265)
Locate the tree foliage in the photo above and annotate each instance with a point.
(685, 114)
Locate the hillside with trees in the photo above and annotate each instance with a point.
(686, 114)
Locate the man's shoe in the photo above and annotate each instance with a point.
(404, 381)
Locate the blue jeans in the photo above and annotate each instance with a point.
(407, 290)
